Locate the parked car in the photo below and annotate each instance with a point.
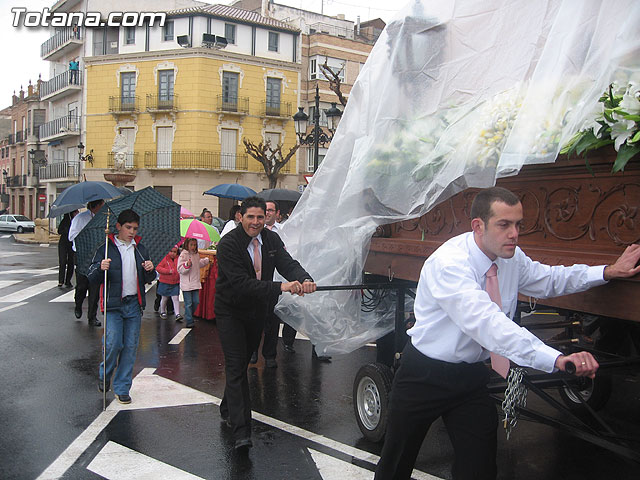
(16, 223)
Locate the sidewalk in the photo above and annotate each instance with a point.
(30, 238)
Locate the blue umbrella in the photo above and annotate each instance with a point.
(230, 190)
(85, 192)
(159, 225)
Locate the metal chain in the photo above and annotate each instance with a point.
(514, 396)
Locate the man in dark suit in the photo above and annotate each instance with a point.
(247, 258)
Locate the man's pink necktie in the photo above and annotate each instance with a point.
(499, 363)
(257, 258)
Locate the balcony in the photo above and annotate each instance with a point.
(124, 105)
(11, 138)
(60, 86)
(195, 161)
(131, 160)
(162, 103)
(61, 43)
(20, 137)
(60, 171)
(63, 127)
(233, 105)
(22, 181)
(281, 110)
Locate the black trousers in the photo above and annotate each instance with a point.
(425, 389)
(240, 337)
(271, 331)
(65, 262)
(82, 287)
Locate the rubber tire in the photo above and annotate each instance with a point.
(371, 389)
(20, 229)
(596, 392)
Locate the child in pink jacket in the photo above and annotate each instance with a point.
(189, 265)
(169, 283)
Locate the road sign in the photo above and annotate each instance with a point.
(308, 178)
(42, 197)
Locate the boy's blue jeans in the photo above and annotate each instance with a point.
(123, 332)
(191, 301)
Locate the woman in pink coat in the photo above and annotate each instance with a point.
(189, 264)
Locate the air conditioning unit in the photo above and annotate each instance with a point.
(213, 41)
(184, 41)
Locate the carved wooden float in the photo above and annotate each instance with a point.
(571, 216)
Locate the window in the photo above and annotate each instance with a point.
(313, 69)
(228, 149)
(273, 96)
(58, 156)
(321, 154)
(130, 35)
(323, 116)
(167, 31)
(230, 33)
(166, 191)
(165, 88)
(230, 91)
(128, 90)
(164, 146)
(274, 40)
(273, 138)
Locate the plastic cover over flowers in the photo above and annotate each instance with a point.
(453, 95)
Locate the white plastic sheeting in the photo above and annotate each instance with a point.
(454, 94)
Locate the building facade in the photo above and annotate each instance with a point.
(179, 102)
(22, 154)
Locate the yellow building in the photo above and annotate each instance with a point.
(179, 106)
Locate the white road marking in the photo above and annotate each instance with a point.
(12, 254)
(32, 271)
(9, 307)
(179, 336)
(117, 462)
(44, 244)
(149, 285)
(8, 283)
(331, 468)
(68, 297)
(29, 292)
(5, 236)
(153, 391)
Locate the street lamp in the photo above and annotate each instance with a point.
(317, 136)
(85, 158)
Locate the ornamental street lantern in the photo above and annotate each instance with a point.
(317, 136)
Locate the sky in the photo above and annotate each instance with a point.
(21, 45)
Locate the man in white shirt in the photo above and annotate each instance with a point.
(82, 282)
(234, 219)
(442, 373)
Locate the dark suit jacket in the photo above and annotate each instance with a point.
(237, 288)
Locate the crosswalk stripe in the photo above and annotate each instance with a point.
(9, 307)
(29, 292)
(68, 297)
(12, 254)
(31, 271)
(117, 462)
(5, 236)
(7, 283)
(179, 336)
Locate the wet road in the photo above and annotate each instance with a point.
(304, 428)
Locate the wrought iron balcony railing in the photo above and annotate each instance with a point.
(69, 124)
(59, 170)
(195, 160)
(59, 39)
(60, 82)
(232, 104)
(162, 102)
(127, 104)
(131, 160)
(282, 109)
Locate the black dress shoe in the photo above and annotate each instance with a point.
(288, 348)
(270, 363)
(243, 445)
(68, 285)
(254, 357)
(320, 358)
(101, 387)
(78, 311)
(94, 322)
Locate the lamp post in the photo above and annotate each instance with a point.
(317, 136)
(85, 158)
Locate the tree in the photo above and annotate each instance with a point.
(272, 159)
(334, 81)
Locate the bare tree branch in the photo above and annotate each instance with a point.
(271, 159)
(334, 80)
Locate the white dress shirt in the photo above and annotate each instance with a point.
(228, 227)
(276, 227)
(129, 272)
(456, 321)
(77, 224)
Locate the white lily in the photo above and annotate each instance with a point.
(621, 130)
(631, 99)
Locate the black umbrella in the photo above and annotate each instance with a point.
(56, 211)
(159, 225)
(279, 195)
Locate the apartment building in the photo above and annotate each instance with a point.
(21, 154)
(342, 44)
